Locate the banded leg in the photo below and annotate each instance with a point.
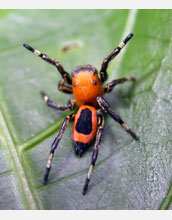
(109, 86)
(52, 61)
(96, 150)
(68, 107)
(105, 106)
(55, 144)
(113, 54)
(64, 88)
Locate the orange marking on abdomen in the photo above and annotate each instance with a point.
(85, 138)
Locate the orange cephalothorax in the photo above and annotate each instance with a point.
(86, 85)
(84, 127)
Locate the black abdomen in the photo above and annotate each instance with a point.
(84, 128)
(84, 123)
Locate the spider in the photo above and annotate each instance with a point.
(88, 92)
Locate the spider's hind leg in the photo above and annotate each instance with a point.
(55, 144)
(96, 150)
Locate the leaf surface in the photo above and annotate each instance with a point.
(128, 174)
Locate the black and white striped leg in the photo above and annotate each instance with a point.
(96, 150)
(50, 103)
(55, 144)
(64, 88)
(113, 54)
(109, 86)
(105, 106)
(52, 61)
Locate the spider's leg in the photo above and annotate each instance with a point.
(105, 106)
(64, 88)
(109, 86)
(112, 55)
(55, 144)
(50, 103)
(52, 61)
(96, 150)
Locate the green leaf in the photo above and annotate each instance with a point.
(128, 174)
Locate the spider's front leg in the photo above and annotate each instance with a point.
(111, 56)
(52, 61)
